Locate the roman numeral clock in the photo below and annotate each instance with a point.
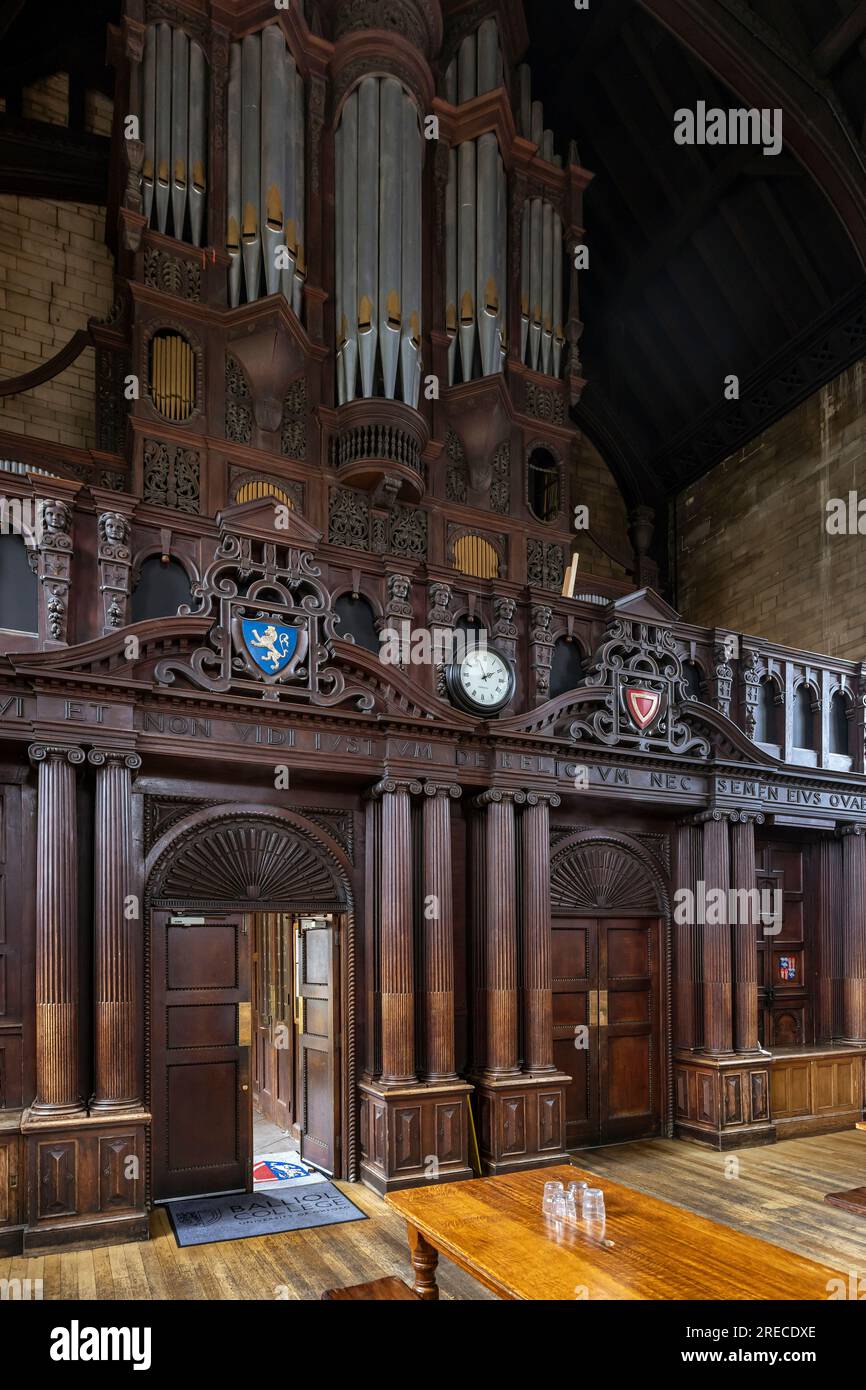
(483, 682)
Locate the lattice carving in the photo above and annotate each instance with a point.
(500, 487)
(172, 476)
(293, 436)
(349, 518)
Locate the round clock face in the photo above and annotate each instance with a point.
(484, 680)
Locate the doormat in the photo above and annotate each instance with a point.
(852, 1200)
(202, 1220)
(276, 1170)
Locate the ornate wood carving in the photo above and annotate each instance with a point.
(55, 569)
(172, 476)
(115, 565)
(535, 931)
(247, 859)
(116, 935)
(57, 983)
(602, 874)
(437, 937)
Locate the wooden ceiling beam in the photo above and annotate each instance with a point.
(840, 40)
(38, 160)
(744, 54)
(9, 12)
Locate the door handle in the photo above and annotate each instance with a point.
(602, 1008)
(244, 1024)
(598, 1008)
(593, 1008)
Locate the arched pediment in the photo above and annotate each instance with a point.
(252, 855)
(605, 871)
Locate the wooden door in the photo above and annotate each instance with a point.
(574, 956)
(607, 1026)
(628, 1028)
(317, 985)
(200, 1054)
(273, 1020)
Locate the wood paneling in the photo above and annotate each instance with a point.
(200, 1070)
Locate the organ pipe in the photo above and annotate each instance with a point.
(163, 124)
(233, 177)
(179, 126)
(265, 170)
(379, 155)
(542, 335)
(251, 95)
(368, 232)
(197, 178)
(476, 201)
(174, 132)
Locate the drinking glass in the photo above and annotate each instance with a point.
(593, 1204)
(552, 1190)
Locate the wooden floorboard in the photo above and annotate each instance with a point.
(776, 1192)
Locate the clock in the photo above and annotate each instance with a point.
(483, 682)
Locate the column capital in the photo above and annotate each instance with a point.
(552, 799)
(495, 796)
(55, 753)
(850, 828)
(443, 789)
(122, 757)
(390, 785)
(734, 815)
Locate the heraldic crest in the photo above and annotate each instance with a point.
(638, 676)
(274, 627)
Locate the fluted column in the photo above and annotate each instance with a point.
(688, 1020)
(499, 927)
(437, 937)
(744, 878)
(397, 962)
(535, 924)
(718, 1030)
(115, 936)
(57, 1078)
(828, 1000)
(853, 933)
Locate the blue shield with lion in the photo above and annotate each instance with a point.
(270, 645)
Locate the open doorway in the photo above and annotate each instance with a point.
(294, 1010)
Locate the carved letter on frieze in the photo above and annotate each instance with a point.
(115, 562)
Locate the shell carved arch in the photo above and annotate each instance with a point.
(606, 872)
(249, 855)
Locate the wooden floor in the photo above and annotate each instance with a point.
(774, 1192)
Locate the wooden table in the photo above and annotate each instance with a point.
(494, 1228)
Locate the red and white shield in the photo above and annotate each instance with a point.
(643, 705)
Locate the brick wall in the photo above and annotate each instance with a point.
(753, 550)
(594, 487)
(55, 274)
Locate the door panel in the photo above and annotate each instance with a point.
(574, 967)
(274, 1026)
(200, 1062)
(316, 946)
(606, 975)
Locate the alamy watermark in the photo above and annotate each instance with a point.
(24, 516)
(405, 645)
(718, 907)
(712, 125)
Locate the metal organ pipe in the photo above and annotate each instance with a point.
(163, 124)
(179, 126)
(265, 170)
(368, 231)
(272, 191)
(173, 130)
(379, 156)
(251, 76)
(196, 176)
(542, 335)
(233, 177)
(475, 220)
